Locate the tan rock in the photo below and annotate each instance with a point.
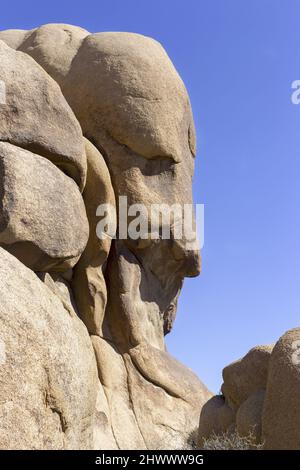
(164, 396)
(37, 117)
(248, 418)
(216, 418)
(133, 106)
(42, 216)
(113, 376)
(142, 288)
(48, 372)
(14, 37)
(103, 438)
(281, 412)
(88, 278)
(116, 75)
(54, 46)
(247, 375)
(60, 287)
(157, 410)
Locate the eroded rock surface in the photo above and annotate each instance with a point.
(281, 411)
(135, 114)
(48, 372)
(37, 117)
(43, 219)
(239, 408)
(261, 396)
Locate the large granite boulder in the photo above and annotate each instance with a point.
(48, 372)
(136, 117)
(281, 412)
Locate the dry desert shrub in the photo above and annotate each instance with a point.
(231, 441)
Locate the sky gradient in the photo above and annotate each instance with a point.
(238, 59)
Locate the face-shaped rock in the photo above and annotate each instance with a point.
(132, 104)
(134, 108)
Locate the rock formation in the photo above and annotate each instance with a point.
(48, 373)
(89, 118)
(260, 397)
(281, 416)
(238, 407)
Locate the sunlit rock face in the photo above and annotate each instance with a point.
(259, 404)
(90, 118)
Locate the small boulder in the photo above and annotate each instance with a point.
(248, 418)
(216, 418)
(43, 220)
(247, 375)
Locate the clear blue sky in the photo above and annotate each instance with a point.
(238, 59)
